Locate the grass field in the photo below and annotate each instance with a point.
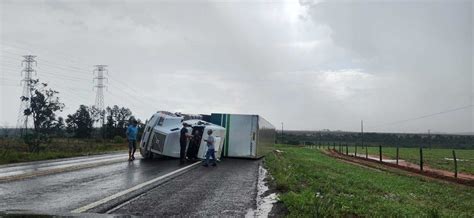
(313, 184)
(15, 151)
(435, 157)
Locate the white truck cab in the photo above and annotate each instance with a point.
(162, 132)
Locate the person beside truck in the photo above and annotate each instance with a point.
(183, 141)
(131, 133)
(193, 147)
(210, 149)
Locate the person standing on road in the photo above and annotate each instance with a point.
(183, 141)
(193, 146)
(132, 131)
(210, 149)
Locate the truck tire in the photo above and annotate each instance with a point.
(146, 154)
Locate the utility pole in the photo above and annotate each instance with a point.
(27, 73)
(282, 132)
(362, 138)
(99, 86)
(429, 138)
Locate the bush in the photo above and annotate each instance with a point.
(293, 142)
(118, 139)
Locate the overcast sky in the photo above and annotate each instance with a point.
(310, 64)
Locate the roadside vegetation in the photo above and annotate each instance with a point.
(414, 140)
(313, 184)
(89, 130)
(13, 150)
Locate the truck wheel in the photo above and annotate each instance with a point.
(146, 154)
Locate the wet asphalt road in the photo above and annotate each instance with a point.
(66, 191)
(229, 189)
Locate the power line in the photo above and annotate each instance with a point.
(67, 91)
(120, 89)
(56, 65)
(424, 116)
(78, 71)
(81, 71)
(138, 100)
(74, 79)
(59, 76)
(60, 55)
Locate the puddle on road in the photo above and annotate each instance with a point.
(264, 203)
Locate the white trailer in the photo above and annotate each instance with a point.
(247, 136)
(162, 132)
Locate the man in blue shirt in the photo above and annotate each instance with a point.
(132, 131)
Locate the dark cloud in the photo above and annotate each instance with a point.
(310, 65)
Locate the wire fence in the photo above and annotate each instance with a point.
(445, 162)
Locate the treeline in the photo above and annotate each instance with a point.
(375, 139)
(87, 122)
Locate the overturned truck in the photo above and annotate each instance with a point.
(247, 136)
(236, 135)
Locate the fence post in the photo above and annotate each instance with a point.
(355, 151)
(333, 146)
(366, 152)
(347, 150)
(455, 165)
(397, 154)
(421, 158)
(328, 145)
(380, 153)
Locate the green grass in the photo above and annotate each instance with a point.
(15, 151)
(313, 184)
(436, 157)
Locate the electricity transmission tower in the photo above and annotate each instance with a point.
(99, 86)
(27, 73)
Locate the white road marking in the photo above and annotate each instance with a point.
(124, 192)
(27, 175)
(32, 169)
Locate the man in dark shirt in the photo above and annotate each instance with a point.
(193, 146)
(183, 140)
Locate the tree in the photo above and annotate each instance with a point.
(59, 127)
(98, 117)
(5, 130)
(80, 123)
(117, 120)
(44, 104)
